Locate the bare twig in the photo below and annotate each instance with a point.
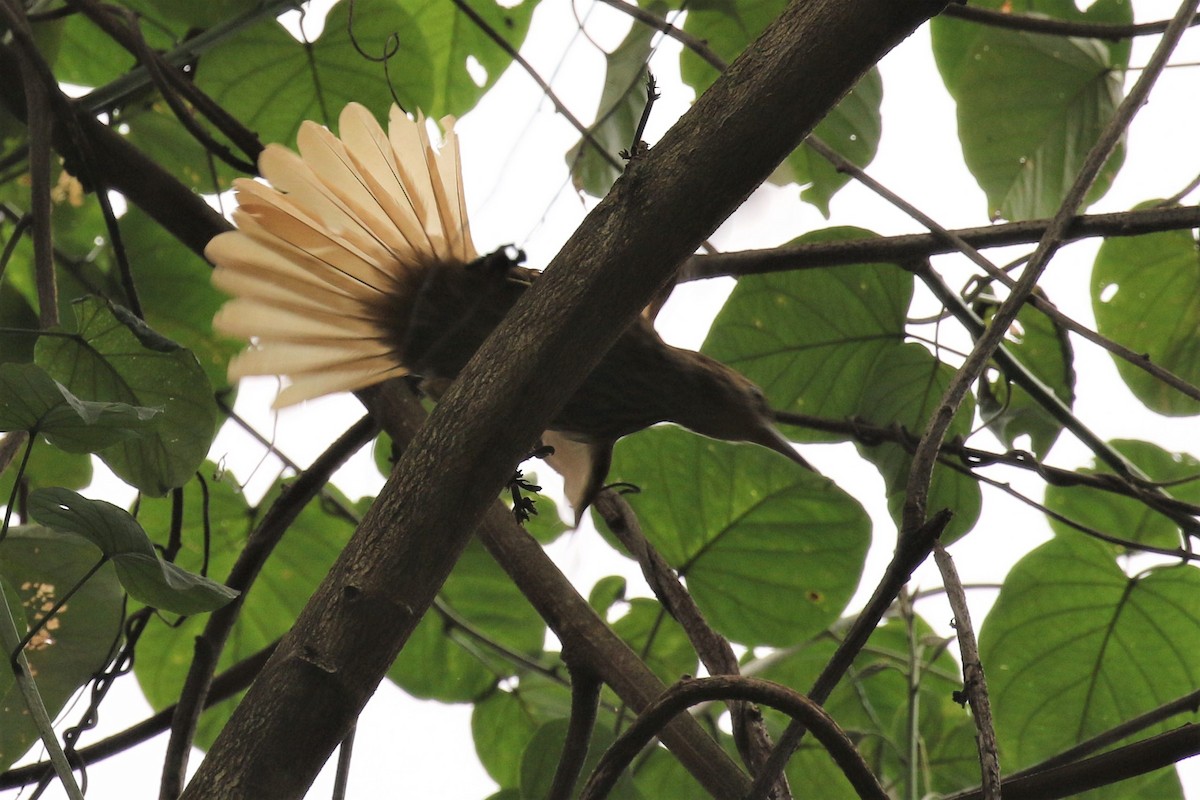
(974, 680)
(912, 548)
(749, 731)
(922, 464)
(1116, 765)
(585, 698)
(1112, 31)
(259, 546)
(907, 248)
(691, 692)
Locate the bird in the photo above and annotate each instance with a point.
(353, 263)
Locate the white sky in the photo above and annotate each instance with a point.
(518, 189)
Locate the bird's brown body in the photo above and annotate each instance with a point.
(358, 266)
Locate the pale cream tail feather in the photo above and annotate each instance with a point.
(368, 146)
(341, 237)
(308, 387)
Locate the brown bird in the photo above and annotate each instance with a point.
(356, 265)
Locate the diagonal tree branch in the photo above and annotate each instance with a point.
(658, 212)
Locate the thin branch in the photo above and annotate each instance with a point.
(648, 18)
(1140, 360)
(921, 472)
(687, 693)
(1180, 512)
(1188, 704)
(580, 630)
(1112, 31)
(259, 546)
(974, 680)
(224, 686)
(1122, 763)
(137, 80)
(585, 699)
(749, 730)
(341, 778)
(911, 551)
(172, 86)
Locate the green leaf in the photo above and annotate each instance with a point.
(606, 593)
(162, 585)
(772, 553)
(502, 725)
(36, 567)
(1146, 295)
(189, 15)
(811, 338)
(481, 596)
(1125, 517)
(906, 386)
(853, 127)
(621, 104)
(872, 704)
(659, 774)
(116, 358)
(16, 344)
(657, 639)
(216, 522)
(1074, 646)
(154, 129)
(50, 467)
(1008, 410)
(1030, 105)
(148, 579)
(462, 61)
(30, 400)
(828, 342)
(294, 81)
(433, 42)
(89, 57)
(175, 287)
(542, 755)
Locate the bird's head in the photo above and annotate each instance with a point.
(725, 405)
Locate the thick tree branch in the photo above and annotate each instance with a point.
(259, 546)
(658, 212)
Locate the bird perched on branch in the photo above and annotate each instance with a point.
(356, 265)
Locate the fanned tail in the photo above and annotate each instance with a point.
(326, 261)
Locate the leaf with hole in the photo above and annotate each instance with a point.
(1146, 296)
